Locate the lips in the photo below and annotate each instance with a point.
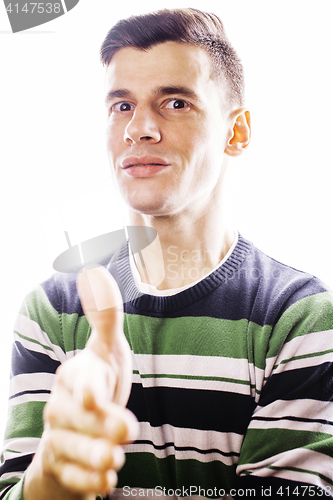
(144, 166)
(143, 161)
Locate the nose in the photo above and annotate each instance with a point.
(142, 127)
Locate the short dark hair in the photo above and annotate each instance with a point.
(190, 26)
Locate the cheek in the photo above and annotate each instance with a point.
(114, 139)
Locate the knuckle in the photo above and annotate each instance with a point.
(52, 441)
(51, 412)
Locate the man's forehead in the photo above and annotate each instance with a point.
(164, 64)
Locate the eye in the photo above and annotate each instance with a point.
(177, 104)
(122, 106)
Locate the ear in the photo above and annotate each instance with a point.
(240, 132)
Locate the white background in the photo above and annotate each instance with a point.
(54, 170)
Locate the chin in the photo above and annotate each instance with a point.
(144, 206)
(148, 206)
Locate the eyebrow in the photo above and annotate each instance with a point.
(161, 90)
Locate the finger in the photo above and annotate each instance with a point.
(87, 374)
(120, 424)
(80, 480)
(70, 415)
(95, 454)
(110, 420)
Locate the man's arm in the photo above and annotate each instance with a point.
(288, 447)
(79, 450)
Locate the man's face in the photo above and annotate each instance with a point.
(167, 127)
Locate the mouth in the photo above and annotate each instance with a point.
(144, 166)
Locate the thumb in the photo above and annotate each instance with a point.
(102, 304)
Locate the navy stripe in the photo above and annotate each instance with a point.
(3, 494)
(313, 287)
(315, 382)
(66, 300)
(61, 291)
(187, 448)
(189, 408)
(249, 285)
(19, 464)
(26, 361)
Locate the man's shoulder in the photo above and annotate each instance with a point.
(272, 273)
(60, 290)
(274, 287)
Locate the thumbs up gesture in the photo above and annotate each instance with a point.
(86, 422)
(103, 306)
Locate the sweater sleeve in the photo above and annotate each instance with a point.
(288, 447)
(37, 352)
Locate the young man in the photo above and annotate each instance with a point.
(231, 350)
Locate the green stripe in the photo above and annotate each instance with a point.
(309, 315)
(304, 356)
(258, 340)
(193, 377)
(199, 336)
(68, 331)
(25, 420)
(76, 331)
(144, 470)
(262, 444)
(34, 341)
(37, 307)
(306, 471)
(16, 492)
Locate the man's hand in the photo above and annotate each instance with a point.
(85, 419)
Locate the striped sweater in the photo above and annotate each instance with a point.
(232, 380)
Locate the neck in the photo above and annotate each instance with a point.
(189, 244)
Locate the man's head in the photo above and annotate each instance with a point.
(189, 26)
(174, 113)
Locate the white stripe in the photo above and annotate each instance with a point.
(20, 447)
(29, 328)
(31, 382)
(307, 345)
(304, 362)
(180, 455)
(257, 377)
(10, 475)
(299, 458)
(32, 346)
(292, 425)
(184, 438)
(197, 366)
(71, 354)
(183, 383)
(5, 491)
(307, 408)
